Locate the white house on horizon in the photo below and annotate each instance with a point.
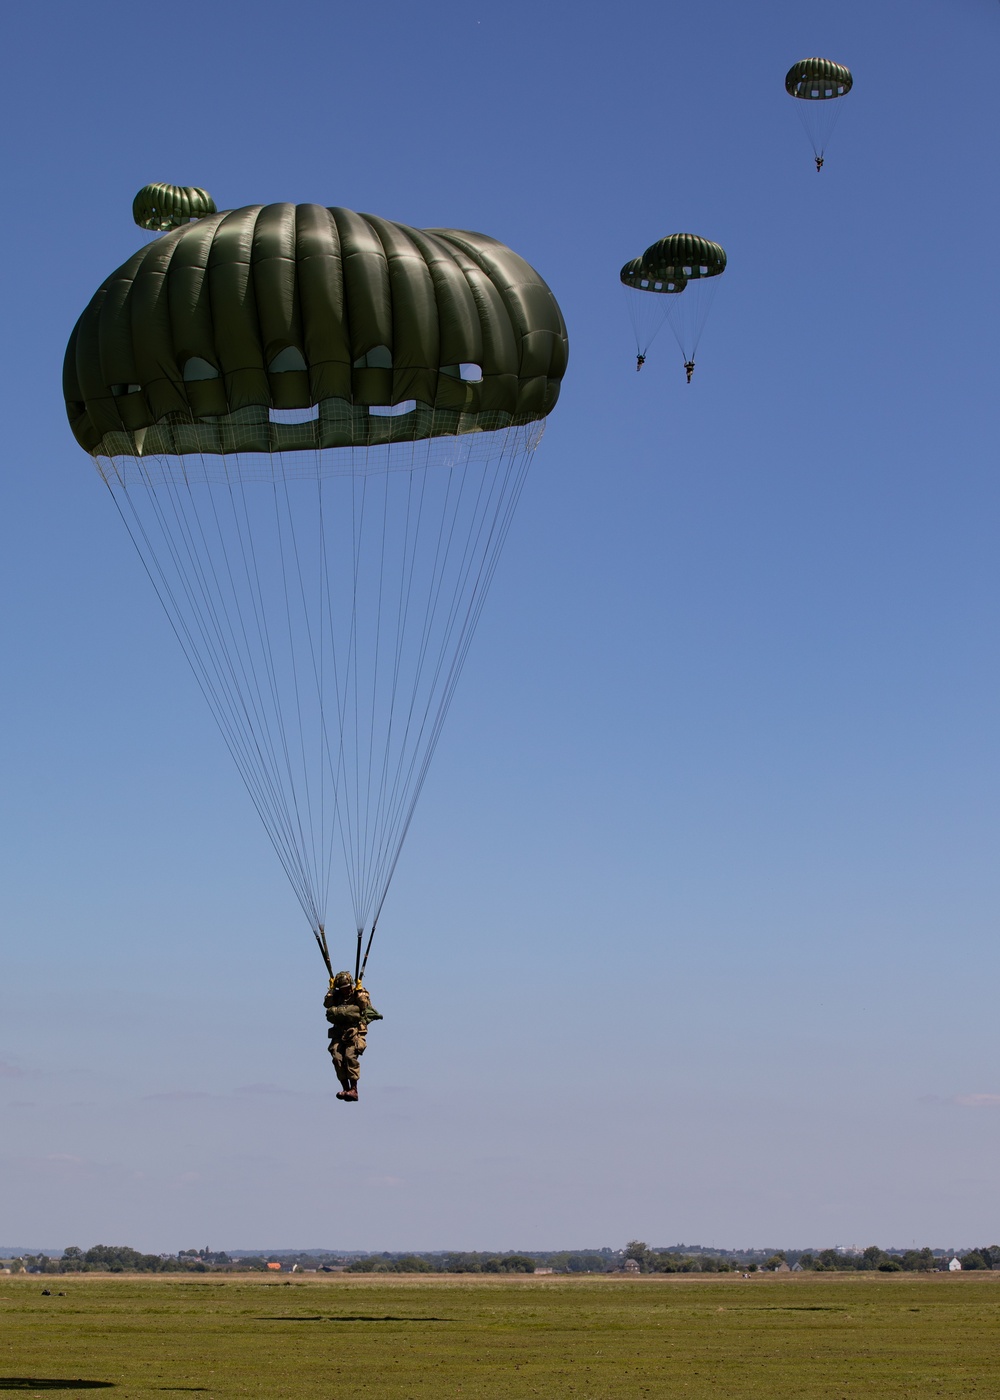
(954, 1265)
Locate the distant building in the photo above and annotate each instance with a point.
(273, 1264)
(548, 1271)
(631, 1266)
(955, 1265)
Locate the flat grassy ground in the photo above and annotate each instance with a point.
(357, 1339)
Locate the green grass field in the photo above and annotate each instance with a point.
(598, 1338)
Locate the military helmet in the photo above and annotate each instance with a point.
(343, 979)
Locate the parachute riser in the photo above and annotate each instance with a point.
(320, 936)
(364, 963)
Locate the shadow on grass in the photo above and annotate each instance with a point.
(353, 1317)
(34, 1383)
(790, 1307)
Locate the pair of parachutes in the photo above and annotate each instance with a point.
(673, 281)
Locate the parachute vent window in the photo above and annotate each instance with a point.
(294, 415)
(392, 410)
(287, 361)
(121, 390)
(470, 373)
(378, 358)
(643, 282)
(197, 369)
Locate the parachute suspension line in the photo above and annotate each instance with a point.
(372, 708)
(434, 588)
(687, 320)
(209, 685)
(511, 471)
(225, 655)
(819, 118)
(326, 848)
(336, 770)
(403, 772)
(648, 313)
(216, 663)
(249, 556)
(375, 608)
(407, 559)
(357, 956)
(310, 826)
(358, 523)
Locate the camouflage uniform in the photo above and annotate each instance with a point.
(349, 1018)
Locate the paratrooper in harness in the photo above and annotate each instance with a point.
(349, 1010)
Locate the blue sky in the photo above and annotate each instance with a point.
(694, 935)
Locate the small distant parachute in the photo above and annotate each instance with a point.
(680, 271)
(817, 83)
(161, 207)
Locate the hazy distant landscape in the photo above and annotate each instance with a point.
(636, 1257)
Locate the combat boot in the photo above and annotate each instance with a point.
(351, 1095)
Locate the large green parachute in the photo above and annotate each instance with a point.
(316, 425)
(817, 82)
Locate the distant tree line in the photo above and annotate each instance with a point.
(444, 1264)
(636, 1255)
(120, 1259)
(827, 1260)
(909, 1260)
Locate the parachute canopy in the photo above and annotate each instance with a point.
(818, 79)
(316, 425)
(635, 274)
(684, 254)
(192, 343)
(159, 207)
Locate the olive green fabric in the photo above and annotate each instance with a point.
(191, 344)
(818, 79)
(343, 1014)
(354, 1010)
(634, 274)
(160, 207)
(685, 254)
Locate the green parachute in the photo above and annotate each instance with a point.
(159, 207)
(673, 280)
(817, 83)
(316, 425)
